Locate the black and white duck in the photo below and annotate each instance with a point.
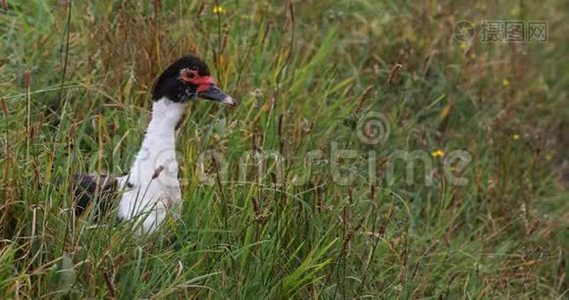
(151, 189)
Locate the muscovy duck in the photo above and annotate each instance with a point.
(151, 188)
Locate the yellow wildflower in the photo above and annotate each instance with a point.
(218, 9)
(515, 137)
(463, 45)
(505, 82)
(438, 153)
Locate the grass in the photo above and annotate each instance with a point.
(75, 81)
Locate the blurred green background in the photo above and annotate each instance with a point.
(75, 80)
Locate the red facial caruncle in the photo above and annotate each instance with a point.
(192, 76)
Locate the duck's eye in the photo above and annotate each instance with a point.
(188, 75)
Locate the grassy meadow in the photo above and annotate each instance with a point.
(341, 214)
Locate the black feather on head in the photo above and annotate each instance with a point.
(171, 86)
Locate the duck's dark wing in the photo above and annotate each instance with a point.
(98, 190)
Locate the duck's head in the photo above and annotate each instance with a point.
(187, 79)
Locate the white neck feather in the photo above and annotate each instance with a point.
(154, 187)
(159, 144)
(162, 127)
